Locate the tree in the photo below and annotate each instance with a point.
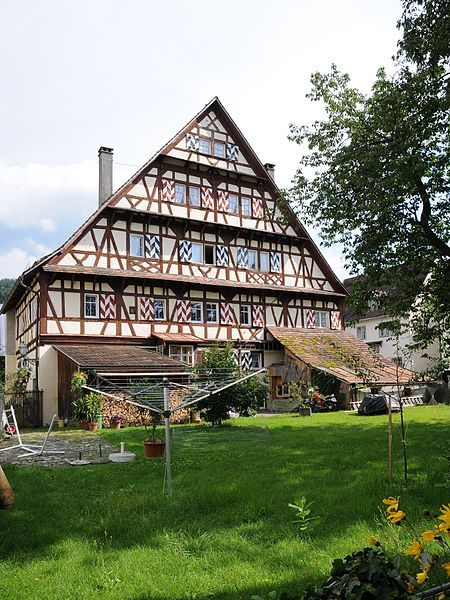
(375, 176)
(5, 288)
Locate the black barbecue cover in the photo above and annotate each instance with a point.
(376, 404)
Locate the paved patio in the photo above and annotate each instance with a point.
(72, 442)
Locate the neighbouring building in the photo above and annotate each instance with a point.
(196, 247)
(371, 330)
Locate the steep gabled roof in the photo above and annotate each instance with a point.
(244, 146)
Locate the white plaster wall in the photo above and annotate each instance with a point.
(48, 381)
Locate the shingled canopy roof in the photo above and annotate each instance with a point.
(112, 357)
(340, 354)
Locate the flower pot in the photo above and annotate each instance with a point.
(93, 426)
(61, 423)
(84, 425)
(304, 411)
(154, 449)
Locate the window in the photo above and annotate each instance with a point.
(264, 261)
(159, 310)
(194, 196)
(183, 353)
(256, 360)
(384, 332)
(361, 332)
(321, 319)
(245, 314)
(136, 245)
(219, 149)
(281, 389)
(196, 312)
(180, 193)
(210, 254)
(233, 204)
(252, 260)
(246, 207)
(197, 252)
(91, 306)
(204, 146)
(398, 360)
(212, 314)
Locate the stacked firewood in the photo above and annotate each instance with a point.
(130, 415)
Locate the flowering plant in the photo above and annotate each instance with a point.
(431, 549)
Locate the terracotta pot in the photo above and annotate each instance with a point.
(93, 426)
(154, 449)
(84, 425)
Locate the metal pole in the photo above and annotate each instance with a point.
(167, 428)
(390, 437)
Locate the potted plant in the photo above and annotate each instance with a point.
(117, 421)
(95, 407)
(81, 412)
(298, 393)
(153, 447)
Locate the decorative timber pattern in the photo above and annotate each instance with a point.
(107, 306)
(310, 319)
(146, 308)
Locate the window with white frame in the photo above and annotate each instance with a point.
(252, 259)
(233, 204)
(264, 261)
(91, 306)
(204, 146)
(256, 360)
(212, 312)
(194, 196)
(210, 254)
(321, 318)
(197, 252)
(136, 245)
(361, 332)
(384, 332)
(159, 310)
(219, 149)
(180, 193)
(398, 360)
(245, 314)
(183, 353)
(246, 207)
(196, 312)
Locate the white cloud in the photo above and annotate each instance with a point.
(14, 261)
(43, 195)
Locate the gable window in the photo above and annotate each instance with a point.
(194, 196)
(245, 314)
(361, 332)
(219, 149)
(196, 312)
(91, 306)
(136, 245)
(204, 146)
(252, 260)
(246, 207)
(383, 332)
(159, 310)
(183, 353)
(321, 318)
(210, 252)
(233, 204)
(180, 193)
(264, 261)
(197, 252)
(212, 314)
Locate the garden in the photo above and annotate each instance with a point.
(228, 532)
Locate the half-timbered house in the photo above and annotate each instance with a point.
(194, 248)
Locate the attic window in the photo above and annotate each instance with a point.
(219, 149)
(204, 146)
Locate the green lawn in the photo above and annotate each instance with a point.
(108, 531)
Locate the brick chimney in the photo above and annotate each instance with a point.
(270, 168)
(105, 174)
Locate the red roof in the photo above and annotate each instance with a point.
(340, 354)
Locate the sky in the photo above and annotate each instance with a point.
(79, 75)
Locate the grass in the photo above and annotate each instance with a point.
(108, 531)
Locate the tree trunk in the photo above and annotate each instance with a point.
(6, 492)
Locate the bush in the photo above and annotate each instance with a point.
(250, 395)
